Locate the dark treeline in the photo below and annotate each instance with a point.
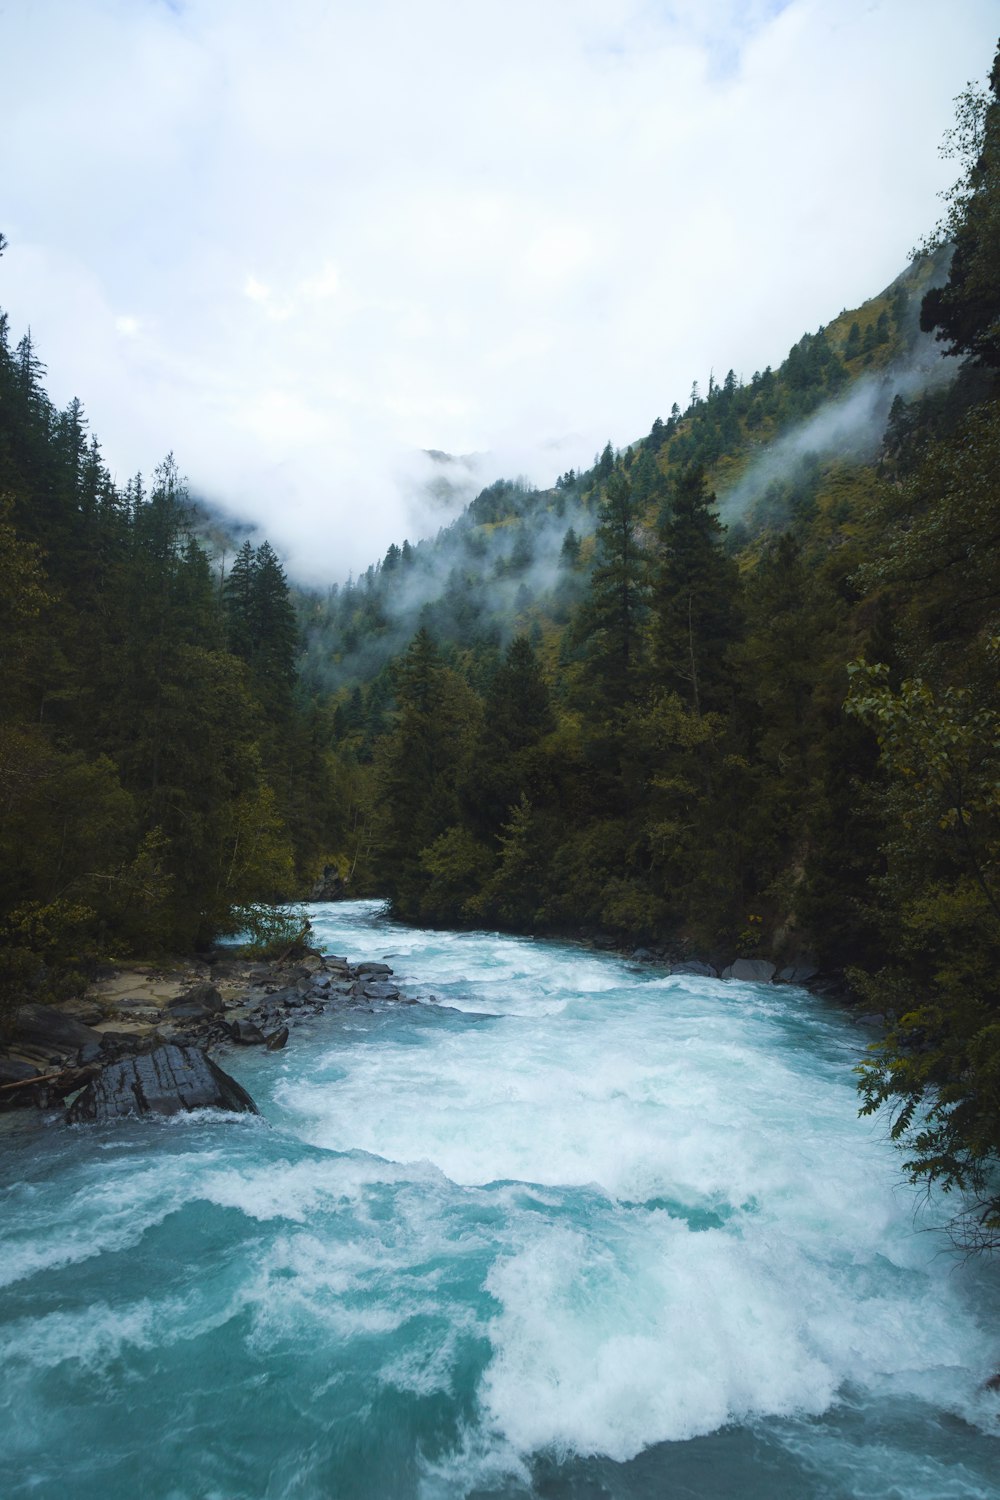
(158, 766)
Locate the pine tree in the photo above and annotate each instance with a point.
(517, 714)
(238, 598)
(695, 599)
(276, 634)
(418, 766)
(611, 620)
(964, 311)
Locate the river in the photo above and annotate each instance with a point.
(565, 1228)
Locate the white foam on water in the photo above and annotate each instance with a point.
(605, 1345)
(678, 1094)
(622, 1208)
(110, 1210)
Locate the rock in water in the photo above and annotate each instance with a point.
(165, 1081)
(755, 970)
(246, 1033)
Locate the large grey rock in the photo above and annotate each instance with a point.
(44, 1026)
(166, 1081)
(377, 971)
(200, 1001)
(694, 966)
(246, 1033)
(753, 970)
(379, 990)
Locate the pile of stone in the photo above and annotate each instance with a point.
(54, 1052)
(277, 1000)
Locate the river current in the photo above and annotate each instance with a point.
(564, 1228)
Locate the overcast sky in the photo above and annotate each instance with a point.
(298, 243)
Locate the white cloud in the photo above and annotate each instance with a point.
(345, 233)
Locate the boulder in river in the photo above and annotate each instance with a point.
(246, 1033)
(378, 989)
(754, 970)
(166, 1081)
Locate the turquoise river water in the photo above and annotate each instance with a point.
(565, 1228)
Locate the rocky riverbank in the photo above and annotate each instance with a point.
(54, 1051)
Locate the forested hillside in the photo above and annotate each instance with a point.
(159, 768)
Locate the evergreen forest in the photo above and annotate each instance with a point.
(732, 691)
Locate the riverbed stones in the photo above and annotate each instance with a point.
(142, 1008)
(169, 1080)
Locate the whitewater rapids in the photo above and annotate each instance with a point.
(566, 1227)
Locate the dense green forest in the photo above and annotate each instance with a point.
(160, 769)
(731, 691)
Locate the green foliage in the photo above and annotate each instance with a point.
(150, 777)
(46, 951)
(965, 311)
(268, 931)
(938, 1069)
(696, 596)
(611, 620)
(418, 765)
(456, 867)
